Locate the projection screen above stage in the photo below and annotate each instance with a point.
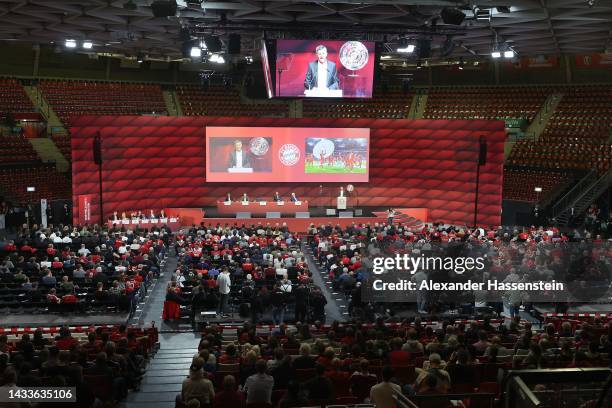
(282, 154)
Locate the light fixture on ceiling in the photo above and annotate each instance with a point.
(509, 54)
(218, 58)
(196, 52)
(88, 45)
(70, 44)
(496, 54)
(405, 47)
(140, 58)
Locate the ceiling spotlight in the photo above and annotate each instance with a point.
(248, 59)
(70, 44)
(590, 3)
(419, 66)
(405, 46)
(509, 54)
(140, 58)
(196, 52)
(496, 54)
(217, 58)
(88, 45)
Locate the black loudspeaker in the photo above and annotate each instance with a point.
(452, 16)
(97, 150)
(164, 8)
(233, 46)
(482, 153)
(424, 48)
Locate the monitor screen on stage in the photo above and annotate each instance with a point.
(324, 69)
(280, 154)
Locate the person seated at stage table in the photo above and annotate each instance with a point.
(293, 198)
(245, 198)
(277, 198)
(228, 197)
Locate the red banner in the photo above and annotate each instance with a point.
(534, 62)
(85, 208)
(594, 61)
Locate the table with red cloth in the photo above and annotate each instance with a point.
(261, 207)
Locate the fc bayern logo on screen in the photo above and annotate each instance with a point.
(289, 154)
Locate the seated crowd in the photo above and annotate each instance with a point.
(102, 363)
(306, 365)
(78, 269)
(511, 254)
(250, 269)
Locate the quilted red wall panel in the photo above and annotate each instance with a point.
(159, 162)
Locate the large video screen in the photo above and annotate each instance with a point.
(332, 69)
(280, 154)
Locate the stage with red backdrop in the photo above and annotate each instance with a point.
(160, 162)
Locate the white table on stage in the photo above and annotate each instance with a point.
(239, 169)
(323, 93)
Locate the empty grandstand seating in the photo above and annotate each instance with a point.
(393, 104)
(224, 101)
(519, 184)
(576, 136)
(75, 98)
(48, 182)
(485, 102)
(15, 149)
(13, 98)
(561, 154)
(584, 115)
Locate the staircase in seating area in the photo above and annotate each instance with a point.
(173, 106)
(418, 104)
(54, 124)
(400, 217)
(540, 121)
(584, 193)
(48, 152)
(163, 378)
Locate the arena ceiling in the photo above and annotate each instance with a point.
(530, 27)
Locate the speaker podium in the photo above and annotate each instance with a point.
(341, 203)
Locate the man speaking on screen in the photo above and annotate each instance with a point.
(238, 159)
(321, 74)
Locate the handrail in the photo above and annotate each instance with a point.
(569, 197)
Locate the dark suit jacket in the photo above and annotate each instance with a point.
(245, 159)
(277, 197)
(293, 199)
(312, 76)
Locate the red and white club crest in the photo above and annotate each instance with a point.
(289, 154)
